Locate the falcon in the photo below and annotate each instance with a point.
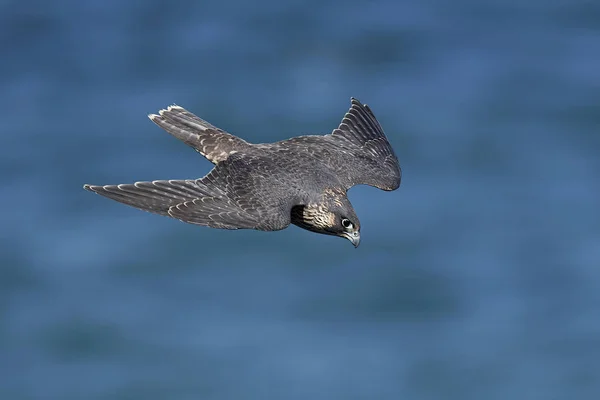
(302, 180)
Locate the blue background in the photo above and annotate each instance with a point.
(478, 279)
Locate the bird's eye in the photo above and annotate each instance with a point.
(346, 223)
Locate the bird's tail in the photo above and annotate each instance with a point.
(213, 143)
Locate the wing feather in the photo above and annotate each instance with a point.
(213, 143)
(190, 201)
(155, 196)
(225, 198)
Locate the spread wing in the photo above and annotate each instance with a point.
(229, 197)
(360, 136)
(213, 143)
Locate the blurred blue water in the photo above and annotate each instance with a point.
(478, 279)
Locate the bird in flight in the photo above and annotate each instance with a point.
(302, 180)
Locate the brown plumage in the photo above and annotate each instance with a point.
(302, 180)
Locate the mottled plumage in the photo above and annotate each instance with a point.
(302, 180)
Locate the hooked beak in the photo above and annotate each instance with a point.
(353, 237)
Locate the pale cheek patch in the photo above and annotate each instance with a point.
(317, 216)
(324, 220)
(330, 219)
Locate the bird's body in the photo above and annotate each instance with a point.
(302, 180)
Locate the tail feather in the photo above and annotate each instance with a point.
(213, 143)
(376, 163)
(359, 125)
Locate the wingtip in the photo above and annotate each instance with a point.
(94, 188)
(174, 107)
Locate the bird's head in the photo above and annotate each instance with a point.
(332, 215)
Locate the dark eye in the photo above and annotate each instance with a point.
(346, 223)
